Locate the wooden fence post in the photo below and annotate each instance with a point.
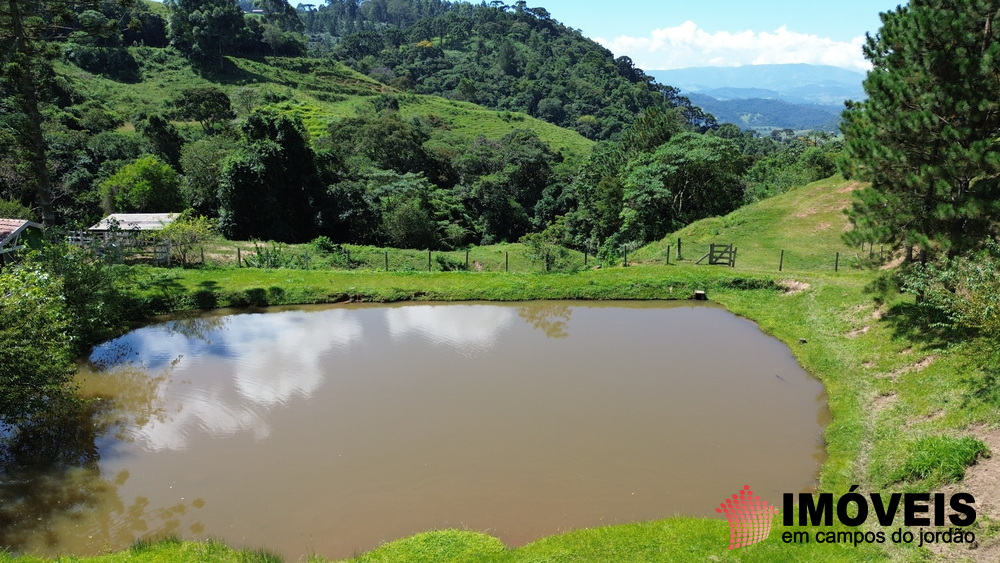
(781, 261)
(428, 260)
(239, 258)
(387, 260)
(836, 263)
(679, 249)
(506, 261)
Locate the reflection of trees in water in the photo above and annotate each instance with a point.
(551, 318)
(50, 479)
(192, 326)
(196, 326)
(123, 398)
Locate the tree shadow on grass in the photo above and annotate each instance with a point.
(913, 323)
(167, 294)
(230, 73)
(205, 297)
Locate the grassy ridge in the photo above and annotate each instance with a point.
(319, 91)
(806, 223)
(901, 401)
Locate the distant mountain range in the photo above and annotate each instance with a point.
(764, 97)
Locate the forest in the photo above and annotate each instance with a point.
(231, 130)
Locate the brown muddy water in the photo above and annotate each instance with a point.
(329, 430)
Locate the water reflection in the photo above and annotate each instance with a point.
(359, 424)
(451, 326)
(551, 318)
(258, 362)
(51, 479)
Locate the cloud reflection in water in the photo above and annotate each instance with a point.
(257, 362)
(451, 325)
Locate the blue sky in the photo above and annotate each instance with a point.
(675, 34)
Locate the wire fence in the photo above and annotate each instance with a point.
(503, 258)
(488, 259)
(752, 256)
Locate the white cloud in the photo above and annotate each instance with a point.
(687, 46)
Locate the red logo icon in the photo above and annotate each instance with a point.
(749, 518)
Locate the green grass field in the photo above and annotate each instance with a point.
(909, 409)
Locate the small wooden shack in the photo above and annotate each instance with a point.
(15, 235)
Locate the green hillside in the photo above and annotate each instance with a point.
(420, 125)
(319, 91)
(806, 223)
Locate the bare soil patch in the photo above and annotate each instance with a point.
(882, 402)
(915, 367)
(792, 286)
(858, 332)
(982, 480)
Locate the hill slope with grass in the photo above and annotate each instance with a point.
(806, 223)
(320, 91)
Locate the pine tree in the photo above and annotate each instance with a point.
(926, 136)
(29, 31)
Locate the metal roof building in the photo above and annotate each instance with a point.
(134, 222)
(10, 235)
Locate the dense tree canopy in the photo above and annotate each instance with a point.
(926, 135)
(209, 106)
(271, 186)
(375, 176)
(146, 185)
(511, 58)
(685, 179)
(205, 30)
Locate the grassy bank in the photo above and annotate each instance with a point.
(903, 402)
(240, 287)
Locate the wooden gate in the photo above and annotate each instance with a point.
(720, 254)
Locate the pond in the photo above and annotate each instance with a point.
(331, 429)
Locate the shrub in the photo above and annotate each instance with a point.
(36, 365)
(325, 245)
(449, 264)
(961, 293)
